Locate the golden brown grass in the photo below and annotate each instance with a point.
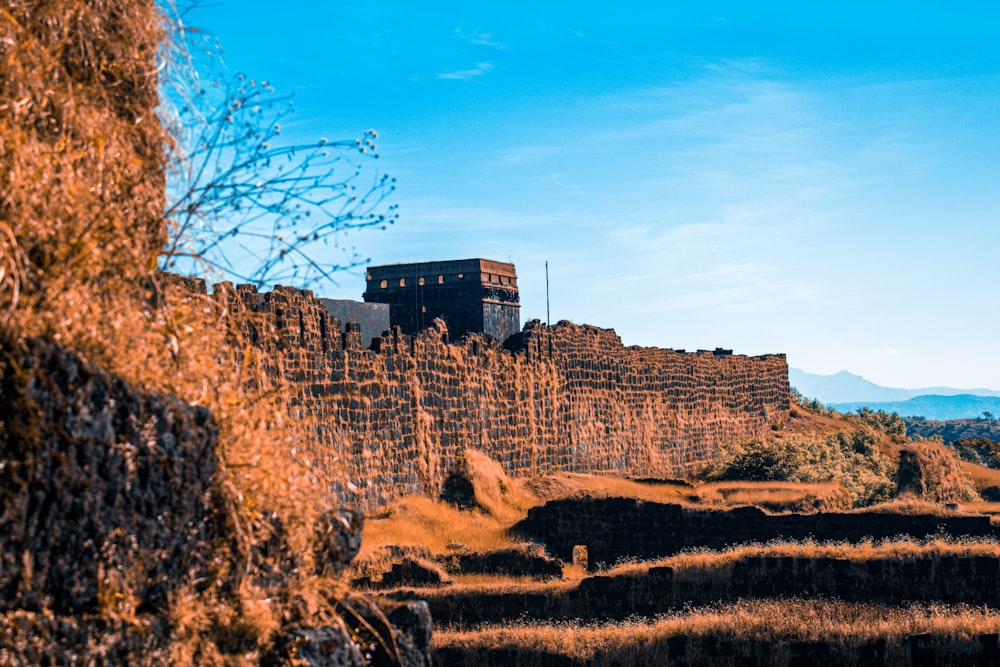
(442, 528)
(716, 495)
(81, 224)
(188, 345)
(81, 155)
(705, 565)
(896, 548)
(761, 620)
(774, 495)
(930, 471)
(496, 493)
(557, 486)
(419, 521)
(981, 476)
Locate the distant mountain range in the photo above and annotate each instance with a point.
(847, 392)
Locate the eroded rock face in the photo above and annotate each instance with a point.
(105, 492)
(388, 633)
(338, 539)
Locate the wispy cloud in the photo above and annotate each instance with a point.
(886, 351)
(467, 74)
(486, 39)
(479, 38)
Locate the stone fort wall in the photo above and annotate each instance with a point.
(390, 420)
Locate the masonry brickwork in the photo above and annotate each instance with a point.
(390, 420)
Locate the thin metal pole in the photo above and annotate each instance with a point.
(548, 315)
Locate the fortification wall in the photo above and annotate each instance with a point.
(565, 397)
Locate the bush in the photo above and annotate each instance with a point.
(889, 423)
(979, 450)
(850, 458)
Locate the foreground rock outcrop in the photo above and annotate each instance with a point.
(106, 493)
(111, 509)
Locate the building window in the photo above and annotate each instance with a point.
(440, 280)
(423, 309)
(420, 281)
(461, 276)
(385, 283)
(402, 282)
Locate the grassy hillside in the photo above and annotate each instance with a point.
(951, 430)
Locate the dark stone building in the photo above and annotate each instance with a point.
(470, 295)
(372, 318)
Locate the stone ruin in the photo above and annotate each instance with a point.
(389, 418)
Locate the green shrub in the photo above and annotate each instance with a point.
(850, 458)
(889, 423)
(980, 450)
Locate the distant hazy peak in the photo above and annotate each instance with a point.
(847, 387)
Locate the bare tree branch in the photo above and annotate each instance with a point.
(242, 203)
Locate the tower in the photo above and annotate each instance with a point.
(470, 295)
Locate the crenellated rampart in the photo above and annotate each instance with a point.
(565, 397)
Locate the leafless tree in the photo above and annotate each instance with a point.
(243, 203)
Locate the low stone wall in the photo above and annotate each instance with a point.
(656, 590)
(618, 528)
(726, 648)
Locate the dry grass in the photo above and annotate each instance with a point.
(810, 423)
(706, 565)
(912, 505)
(774, 621)
(558, 486)
(989, 509)
(81, 224)
(774, 495)
(981, 476)
(895, 548)
(496, 493)
(930, 471)
(420, 521)
(81, 156)
(440, 528)
(715, 495)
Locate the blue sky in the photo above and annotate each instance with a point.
(819, 179)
